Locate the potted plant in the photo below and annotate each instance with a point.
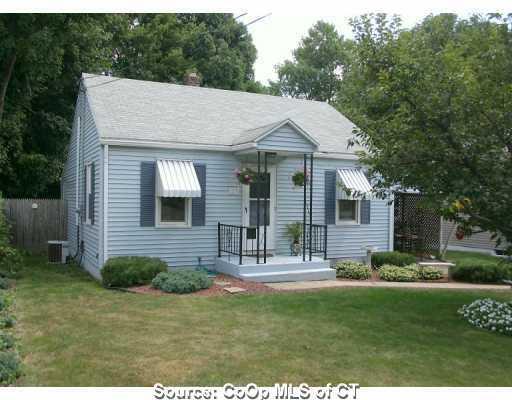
(299, 179)
(294, 230)
(245, 176)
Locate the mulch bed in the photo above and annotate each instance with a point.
(215, 290)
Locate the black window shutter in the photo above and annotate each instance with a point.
(92, 195)
(199, 203)
(147, 193)
(330, 197)
(365, 211)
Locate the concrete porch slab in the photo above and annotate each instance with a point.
(277, 269)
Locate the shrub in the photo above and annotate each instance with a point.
(489, 314)
(425, 273)
(10, 367)
(182, 281)
(4, 225)
(352, 270)
(10, 261)
(397, 274)
(392, 258)
(131, 271)
(3, 303)
(478, 271)
(4, 283)
(6, 341)
(7, 321)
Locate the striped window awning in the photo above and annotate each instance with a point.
(354, 181)
(176, 178)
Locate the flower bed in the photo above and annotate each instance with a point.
(489, 314)
(352, 270)
(220, 282)
(393, 273)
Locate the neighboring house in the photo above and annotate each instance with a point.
(479, 242)
(150, 172)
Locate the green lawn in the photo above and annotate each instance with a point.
(456, 256)
(75, 333)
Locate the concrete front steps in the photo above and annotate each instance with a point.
(277, 269)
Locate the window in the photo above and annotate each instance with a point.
(173, 211)
(347, 212)
(88, 194)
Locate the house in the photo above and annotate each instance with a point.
(480, 241)
(150, 171)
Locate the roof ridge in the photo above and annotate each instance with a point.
(115, 78)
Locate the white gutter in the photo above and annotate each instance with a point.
(105, 203)
(165, 145)
(212, 147)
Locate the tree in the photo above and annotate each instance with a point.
(434, 110)
(317, 67)
(164, 47)
(42, 57)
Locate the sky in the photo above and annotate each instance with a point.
(277, 35)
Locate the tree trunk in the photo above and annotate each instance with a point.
(6, 78)
(445, 246)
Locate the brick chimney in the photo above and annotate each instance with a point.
(192, 79)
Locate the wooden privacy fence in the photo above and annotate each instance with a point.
(35, 221)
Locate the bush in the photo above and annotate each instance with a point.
(398, 274)
(10, 262)
(352, 270)
(7, 321)
(489, 314)
(131, 271)
(6, 341)
(4, 283)
(10, 367)
(182, 281)
(481, 271)
(425, 273)
(4, 226)
(392, 258)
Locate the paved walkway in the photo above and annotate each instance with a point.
(307, 285)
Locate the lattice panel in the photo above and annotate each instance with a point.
(417, 230)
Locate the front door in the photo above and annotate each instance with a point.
(249, 213)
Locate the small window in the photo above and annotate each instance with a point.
(173, 211)
(348, 212)
(88, 193)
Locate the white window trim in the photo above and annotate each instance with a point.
(88, 192)
(162, 224)
(358, 214)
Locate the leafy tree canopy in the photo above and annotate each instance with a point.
(434, 110)
(43, 55)
(317, 66)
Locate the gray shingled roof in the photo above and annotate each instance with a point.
(127, 109)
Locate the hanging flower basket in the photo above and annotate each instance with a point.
(245, 176)
(298, 178)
